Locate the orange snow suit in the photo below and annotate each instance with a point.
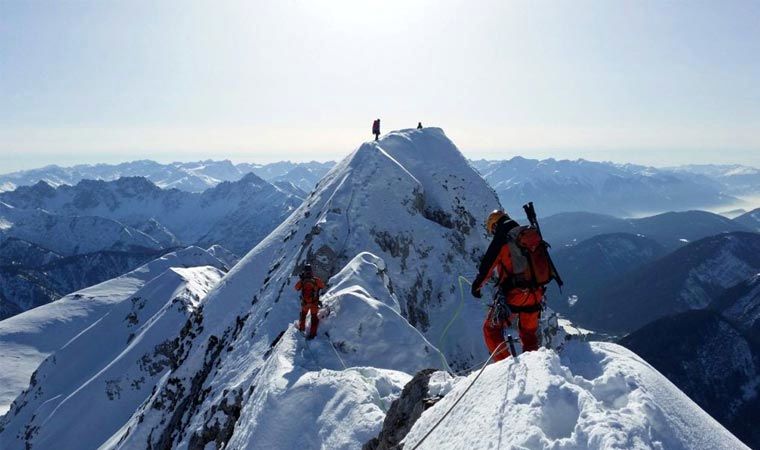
(524, 303)
(309, 287)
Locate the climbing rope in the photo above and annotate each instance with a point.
(383, 406)
(459, 399)
(458, 311)
(335, 350)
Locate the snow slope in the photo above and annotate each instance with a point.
(223, 255)
(23, 287)
(340, 387)
(28, 338)
(88, 388)
(710, 360)
(113, 365)
(592, 396)
(70, 234)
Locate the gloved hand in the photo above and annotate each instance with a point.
(475, 291)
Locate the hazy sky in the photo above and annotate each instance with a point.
(648, 82)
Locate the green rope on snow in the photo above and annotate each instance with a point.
(458, 311)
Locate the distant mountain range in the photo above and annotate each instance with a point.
(191, 176)
(741, 306)
(713, 355)
(735, 178)
(690, 278)
(54, 241)
(671, 230)
(555, 186)
(236, 215)
(622, 190)
(597, 261)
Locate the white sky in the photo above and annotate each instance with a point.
(647, 82)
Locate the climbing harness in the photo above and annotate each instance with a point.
(500, 311)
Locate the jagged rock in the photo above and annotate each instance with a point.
(403, 413)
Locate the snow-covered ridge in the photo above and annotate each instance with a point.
(91, 385)
(410, 199)
(592, 396)
(28, 338)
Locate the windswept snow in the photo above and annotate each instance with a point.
(592, 396)
(88, 388)
(28, 338)
(365, 324)
(334, 408)
(339, 385)
(223, 255)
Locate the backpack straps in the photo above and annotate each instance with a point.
(314, 291)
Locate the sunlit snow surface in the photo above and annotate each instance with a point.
(592, 395)
(28, 338)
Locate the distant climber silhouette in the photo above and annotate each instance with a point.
(376, 128)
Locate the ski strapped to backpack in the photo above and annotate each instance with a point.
(531, 263)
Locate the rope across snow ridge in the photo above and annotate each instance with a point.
(448, 411)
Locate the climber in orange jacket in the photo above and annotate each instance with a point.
(309, 285)
(516, 300)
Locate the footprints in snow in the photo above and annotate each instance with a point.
(565, 402)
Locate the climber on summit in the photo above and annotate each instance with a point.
(376, 128)
(309, 285)
(521, 261)
(419, 125)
